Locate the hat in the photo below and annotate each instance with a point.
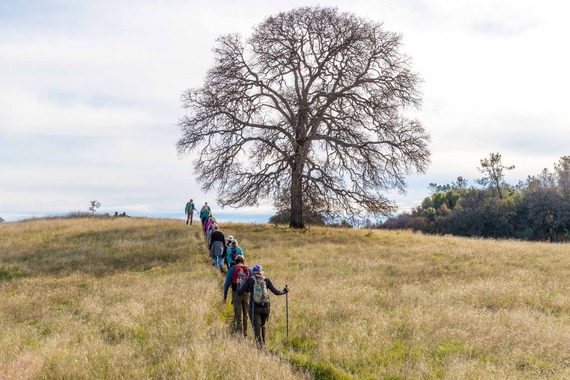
(239, 259)
(257, 268)
(230, 238)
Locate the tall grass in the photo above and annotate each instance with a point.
(116, 299)
(138, 298)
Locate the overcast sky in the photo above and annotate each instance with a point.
(90, 93)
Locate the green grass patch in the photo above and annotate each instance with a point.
(318, 370)
(9, 272)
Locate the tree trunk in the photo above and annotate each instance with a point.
(298, 165)
(296, 197)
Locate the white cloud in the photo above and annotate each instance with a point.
(90, 94)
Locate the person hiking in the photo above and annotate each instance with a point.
(257, 286)
(189, 210)
(210, 220)
(210, 223)
(236, 277)
(205, 212)
(216, 247)
(229, 241)
(233, 250)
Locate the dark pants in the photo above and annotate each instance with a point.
(189, 217)
(260, 316)
(241, 313)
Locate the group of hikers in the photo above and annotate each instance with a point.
(250, 297)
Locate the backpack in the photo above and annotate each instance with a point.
(232, 253)
(241, 274)
(260, 295)
(204, 213)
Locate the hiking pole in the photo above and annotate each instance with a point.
(287, 314)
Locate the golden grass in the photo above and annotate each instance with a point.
(137, 299)
(116, 299)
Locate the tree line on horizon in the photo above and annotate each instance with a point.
(537, 208)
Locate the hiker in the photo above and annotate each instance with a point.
(257, 286)
(209, 229)
(205, 212)
(233, 250)
(189, 210)
(236, 277)
(216, 246)
(210, 220)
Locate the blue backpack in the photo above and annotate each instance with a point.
(232, 253)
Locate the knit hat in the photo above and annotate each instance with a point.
(257, 268)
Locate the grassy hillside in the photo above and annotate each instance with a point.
(137, 298)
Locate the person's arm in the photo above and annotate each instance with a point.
(228, 282)
(272, 288)
(246, 287)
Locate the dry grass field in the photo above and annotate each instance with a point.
(134, 298)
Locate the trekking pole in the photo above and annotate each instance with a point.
(287, 314)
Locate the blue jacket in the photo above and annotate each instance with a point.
(229, 277)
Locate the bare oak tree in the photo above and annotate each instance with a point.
(309, 107)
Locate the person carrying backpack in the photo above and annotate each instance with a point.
(232, 252)
(210, 228)
(189, 210)
(205, 212)
(216, 246)
(208, 223)
(236, 277)
(257, 285)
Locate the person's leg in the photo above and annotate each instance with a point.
(191, 214)
(264, 315)
(256, 327)
(244, 305)
(237, 312)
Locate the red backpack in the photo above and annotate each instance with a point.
(241, 274)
